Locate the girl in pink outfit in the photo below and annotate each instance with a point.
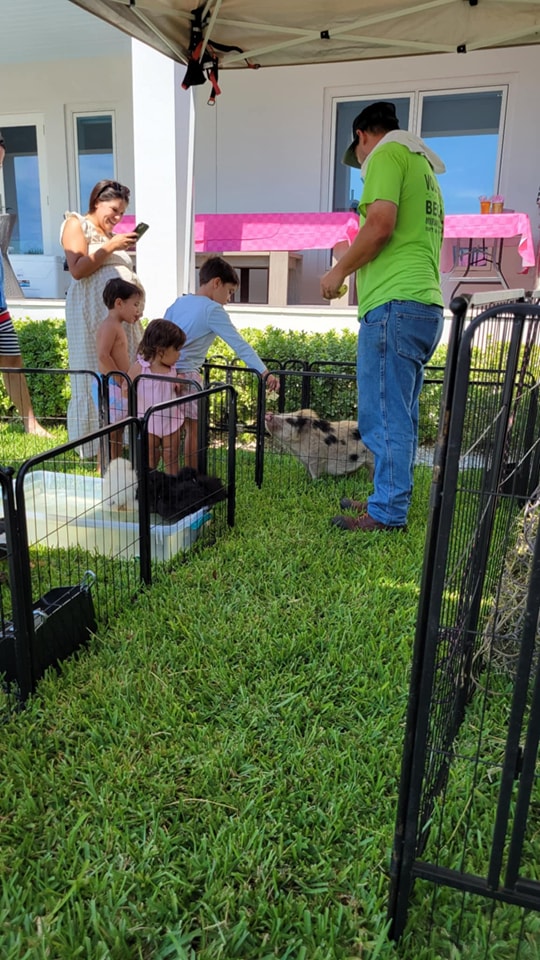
(157, 356)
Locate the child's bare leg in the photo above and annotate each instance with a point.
(191, 443)
(17, 389)
(171, 448)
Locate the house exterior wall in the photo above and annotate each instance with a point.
(49, 90)
(271, 129)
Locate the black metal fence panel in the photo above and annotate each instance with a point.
(197, 501)
(81, 534)
(464, 801)
(15, 653)
(328, 389)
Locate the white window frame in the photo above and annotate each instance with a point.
(33, 120)
(416, 92)
(72, 114)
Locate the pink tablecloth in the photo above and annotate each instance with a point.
(489, 226)
(266, 231)
(273, 231)
(126, 225)
(322, 231)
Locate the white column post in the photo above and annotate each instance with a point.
(163, 136)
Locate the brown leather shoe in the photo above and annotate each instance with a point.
(366, 523)
(360, 506)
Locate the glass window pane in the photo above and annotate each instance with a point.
(347, 180)
(463, 128)
(21, 190)
(95, 157)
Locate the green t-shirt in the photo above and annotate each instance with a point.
(407, 268)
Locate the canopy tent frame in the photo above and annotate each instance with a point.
(303, 32)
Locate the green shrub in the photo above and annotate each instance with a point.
(331, 397)
(43, 344)
(274, 344)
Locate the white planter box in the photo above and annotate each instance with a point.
(41, 276)
(65, 510)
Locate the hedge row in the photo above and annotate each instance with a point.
(43, 344)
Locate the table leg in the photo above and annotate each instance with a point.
(278, 278)
(476, 259)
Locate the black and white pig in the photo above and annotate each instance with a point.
(322, 446)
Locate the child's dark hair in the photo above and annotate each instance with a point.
(159, 335)
(118, 289)
(217, 267)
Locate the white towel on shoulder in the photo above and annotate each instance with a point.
(413, 143)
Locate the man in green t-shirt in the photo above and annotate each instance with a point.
(396, 257)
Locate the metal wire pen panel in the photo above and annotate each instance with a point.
(463, 818)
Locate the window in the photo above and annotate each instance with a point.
(20, 191)
(94, 153)
(463, 127)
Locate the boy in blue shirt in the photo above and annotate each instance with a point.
(202, 317)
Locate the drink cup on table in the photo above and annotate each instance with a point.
(497, 204)
(485, 204)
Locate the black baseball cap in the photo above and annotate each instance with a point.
(378, 117)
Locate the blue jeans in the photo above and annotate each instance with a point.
(395, 341)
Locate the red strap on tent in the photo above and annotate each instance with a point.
(200, 63)
(213, 78)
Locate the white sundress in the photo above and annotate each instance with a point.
(84, 312)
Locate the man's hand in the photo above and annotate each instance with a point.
(332, 282)
(369, 241)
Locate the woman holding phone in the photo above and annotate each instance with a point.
(94, 255)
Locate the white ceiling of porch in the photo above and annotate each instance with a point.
(36, 31)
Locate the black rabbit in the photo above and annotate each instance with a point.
(174, 497)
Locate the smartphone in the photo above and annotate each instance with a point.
(140, 229)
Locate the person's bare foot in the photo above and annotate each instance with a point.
(37, 430)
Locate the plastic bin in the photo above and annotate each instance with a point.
(66, 510)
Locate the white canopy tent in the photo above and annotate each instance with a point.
(279, 32)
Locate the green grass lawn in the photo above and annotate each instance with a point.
(217, 777)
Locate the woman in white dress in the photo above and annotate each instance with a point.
(94, 255)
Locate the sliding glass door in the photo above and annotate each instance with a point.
(22, 189)
(94, 152)
(465, 127)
